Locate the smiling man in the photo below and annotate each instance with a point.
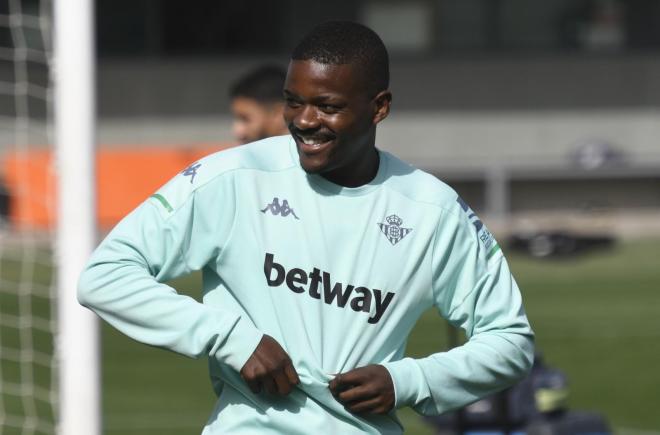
(319, 253)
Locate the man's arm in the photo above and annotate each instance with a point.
(123, 284)
(159, 241)
(474, 290)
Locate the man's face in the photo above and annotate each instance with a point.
(254, 120)
(330, 114)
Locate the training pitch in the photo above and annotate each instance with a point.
(596, 317)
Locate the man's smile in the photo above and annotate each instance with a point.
(313, 143)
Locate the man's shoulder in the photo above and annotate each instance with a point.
(425, 188)
(418, 185)
(271, 154)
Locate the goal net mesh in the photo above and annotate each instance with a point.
(28, 390)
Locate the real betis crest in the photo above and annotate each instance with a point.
(393, 229)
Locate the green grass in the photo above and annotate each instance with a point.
(596, 317)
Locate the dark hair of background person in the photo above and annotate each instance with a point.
(263, 84)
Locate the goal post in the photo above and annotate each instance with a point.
(77, 346)
(49, 344)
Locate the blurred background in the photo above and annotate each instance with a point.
(544, 116)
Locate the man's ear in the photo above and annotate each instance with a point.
(382, 102)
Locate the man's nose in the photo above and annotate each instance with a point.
(307, 118)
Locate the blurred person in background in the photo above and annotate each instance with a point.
(257, 104)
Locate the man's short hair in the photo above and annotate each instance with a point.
(345, 42)
(263, 84)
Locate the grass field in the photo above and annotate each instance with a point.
(596, 317)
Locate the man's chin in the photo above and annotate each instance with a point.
(313, 165)
(312, 169)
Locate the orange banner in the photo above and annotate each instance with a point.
(125, 177)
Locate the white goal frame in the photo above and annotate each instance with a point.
(77, 343)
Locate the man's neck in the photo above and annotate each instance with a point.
(358, 174)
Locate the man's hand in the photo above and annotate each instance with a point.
(270, 368)
(364, 390)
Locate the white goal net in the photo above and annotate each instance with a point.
(27, 316)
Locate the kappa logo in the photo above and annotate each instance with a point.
(191, 171)
(393, 229)
(280, 209)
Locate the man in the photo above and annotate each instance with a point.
(257, 105)
(319, 252)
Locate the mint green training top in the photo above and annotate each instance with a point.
(338, 276)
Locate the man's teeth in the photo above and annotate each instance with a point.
(311, 141)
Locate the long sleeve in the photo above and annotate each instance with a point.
(474, 290)
(171, 234)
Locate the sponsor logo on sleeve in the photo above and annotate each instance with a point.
(487, 239)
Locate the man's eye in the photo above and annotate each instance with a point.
(292, 103)
(327, 108)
